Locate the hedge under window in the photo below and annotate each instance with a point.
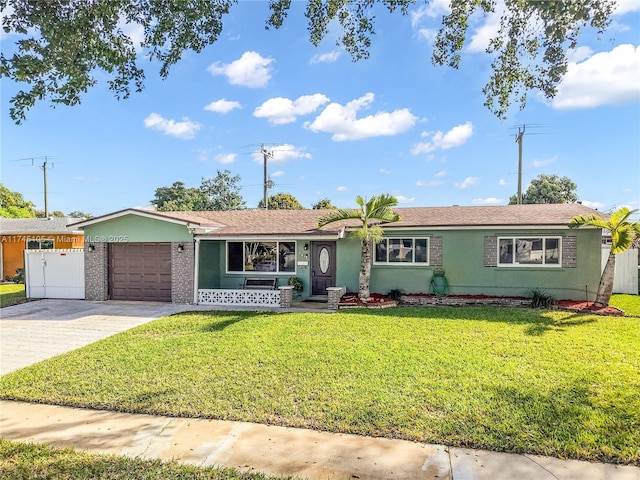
(272, 257)
(529, 251)
(402, 250)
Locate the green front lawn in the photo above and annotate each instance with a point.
(515, 380)
(20, 461)
(629, 304)
(11, 294)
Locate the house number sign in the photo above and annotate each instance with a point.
(324, 260)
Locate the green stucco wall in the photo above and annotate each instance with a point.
(134, 228)
(463, 262)
(212, 268)
(462, 259)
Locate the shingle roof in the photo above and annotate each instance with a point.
(10, 226)
(304, 222)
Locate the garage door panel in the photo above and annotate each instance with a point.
(140, 271)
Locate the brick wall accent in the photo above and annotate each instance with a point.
(286, 296)
(182, 271)
(334, 294)
(569, 252)
(96, 280)
(490, 251)
(435, 251)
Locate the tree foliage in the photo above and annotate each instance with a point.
(623, 233)
(548, 189)
(219, 193)
(282, 201)
(13, 204)
(324, 204)
(63, 45)
(371, 214)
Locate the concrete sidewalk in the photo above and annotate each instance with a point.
(279, 450)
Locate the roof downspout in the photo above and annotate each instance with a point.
(196, 270)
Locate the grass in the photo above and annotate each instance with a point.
(19, 461)
(515, 380)
(11, 294)
(629, 304)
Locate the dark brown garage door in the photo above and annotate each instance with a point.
(140, 271)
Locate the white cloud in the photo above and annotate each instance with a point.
(488, 30)
(134, 31)
(579, 54)
(282, 154)
(222, 106)
(277, 174)
(625, 6)
(544, 162)
(467, 182)
(594, 205)
(250, 70)
(502, 182)
(453, 138)
(606, 78)
(342, 189)
(385, 171)
(441, 173)
(329, 57)
(186, 129)
(403, 199)
(426, 19)
(430, 183)
(487, 201)
(225, 158)
(342, 121)
(280, 110)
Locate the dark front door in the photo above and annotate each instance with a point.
(140, 271)
(323, 273)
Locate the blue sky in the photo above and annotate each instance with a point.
(391, 124)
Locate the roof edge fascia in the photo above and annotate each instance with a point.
(134, 211)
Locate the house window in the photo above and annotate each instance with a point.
(39, 243)
(529, 251)
(271, 257)
(402, 250)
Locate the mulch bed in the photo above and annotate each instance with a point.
(583, 306)
(377, 300)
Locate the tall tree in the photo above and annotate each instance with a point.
(222, 192)
(63, 45)
(219, 193)
(178, 198)
(282, 201)
(371, 214)
(79, 214)
(13, 204)
(623, 233)
(548, 189)
(324, 204)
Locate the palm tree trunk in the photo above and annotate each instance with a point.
(365, 270)
(605, 289)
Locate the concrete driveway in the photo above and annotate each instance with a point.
(34, 331)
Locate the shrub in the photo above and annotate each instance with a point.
(395, 294)
(541, 299)
(296, 283)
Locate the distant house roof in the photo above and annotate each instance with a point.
(233, 223)
(53, 225)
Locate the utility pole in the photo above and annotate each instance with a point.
(44, 171)
(519, 137)
(266, 155)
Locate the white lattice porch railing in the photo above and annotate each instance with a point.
(249, 298)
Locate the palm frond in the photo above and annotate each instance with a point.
(339, 215)
(622, 239)
(591, 220)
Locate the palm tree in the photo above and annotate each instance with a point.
(371, 214)
(623, 233)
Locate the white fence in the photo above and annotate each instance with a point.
(626, 276)
(54, 273)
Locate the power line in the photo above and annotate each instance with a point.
(43, 167)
